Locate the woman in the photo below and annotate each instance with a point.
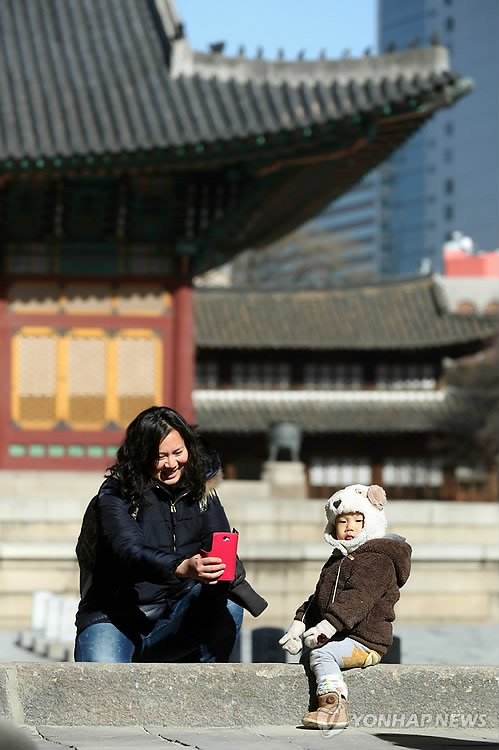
(146, 592)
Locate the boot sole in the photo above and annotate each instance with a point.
(310, 724)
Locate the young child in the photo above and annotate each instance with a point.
(347, 621)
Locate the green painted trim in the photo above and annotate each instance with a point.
(56, 451)
(36, 450)
(17, 450)
(77, 451)
(95, 451)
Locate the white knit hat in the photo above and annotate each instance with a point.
(356, 498)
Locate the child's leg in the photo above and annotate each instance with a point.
(327, 662)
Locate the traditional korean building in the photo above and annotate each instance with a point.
(360, 370)
(129, 162)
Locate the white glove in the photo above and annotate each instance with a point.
(319, 634)
(291, 640)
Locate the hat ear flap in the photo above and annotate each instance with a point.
(330, 530)
(376, 496)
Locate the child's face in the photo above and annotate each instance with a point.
(348, 525)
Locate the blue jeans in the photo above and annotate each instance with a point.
(202, 627)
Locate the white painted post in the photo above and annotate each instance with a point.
(67, 631)
(54, 611)
(39, 606)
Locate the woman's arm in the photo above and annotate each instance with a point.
(121, 533)
(124, 536)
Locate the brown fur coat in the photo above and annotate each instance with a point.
(367, 587)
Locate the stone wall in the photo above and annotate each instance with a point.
(453, 580)
(86, 694)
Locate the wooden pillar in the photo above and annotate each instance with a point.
(450, 489)
(376, 471)
(492, 486)
(230, 471)
(184, 349)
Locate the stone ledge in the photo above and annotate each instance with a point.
(233, 694)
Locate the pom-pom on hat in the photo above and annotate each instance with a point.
(356, 498)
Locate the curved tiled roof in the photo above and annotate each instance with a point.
(329, 412)
(101, 77)
(392, 315)
(112, 87)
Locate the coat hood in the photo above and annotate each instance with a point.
(214, 473)
(356, 498)
(398, 551)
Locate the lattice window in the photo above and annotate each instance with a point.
(414, 376)
(338, 375)
(85, 378)
(339, 472)
(261, 375)
(34, 378)
(86, 368)
(207, 374)
(138, 373)
(412, 472)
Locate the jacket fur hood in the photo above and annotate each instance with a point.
(398, 551)
(356, 498)
(214, 474)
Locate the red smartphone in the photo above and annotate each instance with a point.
(224, 545)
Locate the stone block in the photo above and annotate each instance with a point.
(239, 694)
(427, 534)
(4, 698)
(442, 607)
(444, 578)
(286, 479)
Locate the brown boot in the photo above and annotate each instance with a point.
(331, 714)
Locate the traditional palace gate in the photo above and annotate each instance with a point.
(128, 162)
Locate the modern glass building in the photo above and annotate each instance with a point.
(352, 223)
(447, 176)
(339, 246)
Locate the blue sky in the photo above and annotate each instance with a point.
(293, 25)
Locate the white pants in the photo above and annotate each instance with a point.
(334, 656)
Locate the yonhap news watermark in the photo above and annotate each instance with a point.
(408, 721)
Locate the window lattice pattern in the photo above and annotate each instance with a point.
(412, 472)
(84, 378)
(266, 375)
(339, 472)
(329, 375)
(405, 376)
(207, 374)
(36, 380)
(136, 382)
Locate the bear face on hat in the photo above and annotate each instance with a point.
(357, 498)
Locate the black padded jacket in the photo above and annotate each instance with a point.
(132, 580)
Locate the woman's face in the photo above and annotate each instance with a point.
(172, 457)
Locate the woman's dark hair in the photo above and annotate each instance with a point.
(137, 455)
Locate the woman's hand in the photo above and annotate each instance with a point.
(202, 569)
